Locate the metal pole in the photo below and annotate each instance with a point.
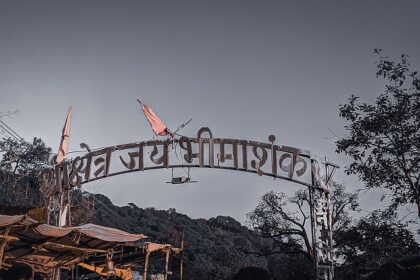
(329, 219)
(313, 222)
(324, 265)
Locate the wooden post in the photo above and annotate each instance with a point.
(69, 203)
(146, 264)
(56, 273)
(77, 272)
(181, 265)
(61, 209)
(3, 244)
(167, 251)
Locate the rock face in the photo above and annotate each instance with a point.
(214, 249)
(217, 248)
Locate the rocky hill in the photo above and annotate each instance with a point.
(217, 248)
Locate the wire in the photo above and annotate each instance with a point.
(110, 211)
(182, 159)
(81, 151)
(8, 132)
(182, 126)
(14, 132)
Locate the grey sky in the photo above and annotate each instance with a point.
(246, 69)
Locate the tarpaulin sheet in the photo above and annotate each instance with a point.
(91, 230)
(6, 220)
(151, 247)
(44, 246)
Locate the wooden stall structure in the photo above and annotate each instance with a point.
(48, 249)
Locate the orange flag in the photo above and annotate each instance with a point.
(62, 151)
(158, 126)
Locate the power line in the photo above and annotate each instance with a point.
(14, 132)
(8, 132)
(11, 131)
(110, 211)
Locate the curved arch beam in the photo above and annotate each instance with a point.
(265, 159)
(198, 166)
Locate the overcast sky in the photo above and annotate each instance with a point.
(246, 69)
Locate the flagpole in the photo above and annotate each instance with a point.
(61, 156)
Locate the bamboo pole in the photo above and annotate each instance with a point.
(167, 251)
(69, 247)
(3, 244)
(146, 264)
(181, 266)
(69, 203)
(61, 210)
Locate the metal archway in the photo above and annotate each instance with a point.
(265, 159)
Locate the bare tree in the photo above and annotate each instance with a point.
(274, 218)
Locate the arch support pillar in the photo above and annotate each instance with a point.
(321, 220)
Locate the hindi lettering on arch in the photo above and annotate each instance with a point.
(222, 156)
(79, 171)
(205, 151)
(102, 161)
(154, 155)
(201, 149)
(79, 168)
(260, 153)
(135, 156)
(185, 145)
(292, 162)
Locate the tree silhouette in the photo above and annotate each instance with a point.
(384, 137)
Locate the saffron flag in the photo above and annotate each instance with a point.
(62, 151)
(158, 126)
